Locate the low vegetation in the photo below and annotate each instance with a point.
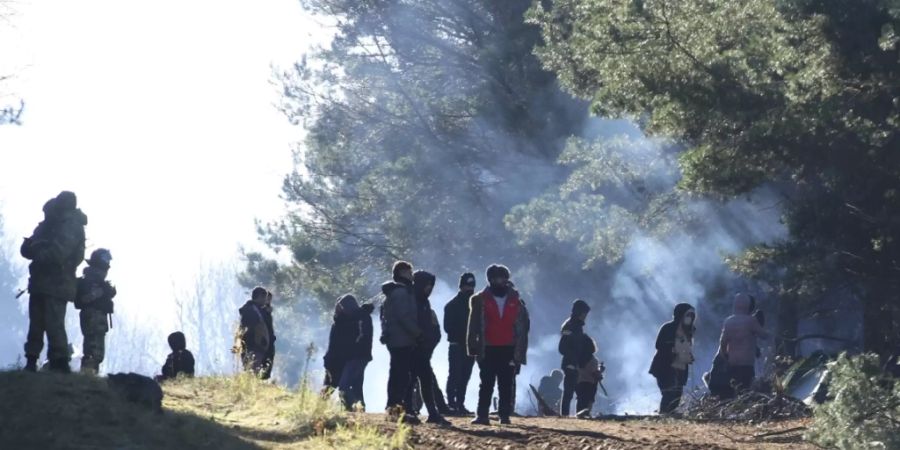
(47, 410)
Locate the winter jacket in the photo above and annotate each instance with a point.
(178, 362)
(399, 321)
(255, 333)
(739, 333)
(575, 353)
(665, 341)
(56, 249)
(94, 292)
(456, 318)
(351, 333)
(475, 338)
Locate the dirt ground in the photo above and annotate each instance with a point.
(621, 433)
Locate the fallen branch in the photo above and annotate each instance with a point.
(777, 433)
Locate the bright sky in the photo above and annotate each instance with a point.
(159, 115)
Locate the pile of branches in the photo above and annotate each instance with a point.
(747, 406)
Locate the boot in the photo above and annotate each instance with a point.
(89, 367)
(31, 364)
(60, 366)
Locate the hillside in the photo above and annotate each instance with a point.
(48, 411)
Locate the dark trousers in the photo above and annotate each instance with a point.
(671, 385)
(351, 383)
(399, 375)
(586, 393)
(47, 314)
(569, 382)
(423, 373)
(497, 366)
(460, 371)
(741, 377)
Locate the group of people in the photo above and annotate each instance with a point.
(489, 328)
(56, 248)
(733, 367)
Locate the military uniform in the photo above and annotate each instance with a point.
(55, 249)
(94, 298)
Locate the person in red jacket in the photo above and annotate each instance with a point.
(498, 339)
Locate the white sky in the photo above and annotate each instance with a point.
(159, 115)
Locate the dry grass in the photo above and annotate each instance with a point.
(45, 410)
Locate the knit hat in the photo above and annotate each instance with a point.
(467, 279)
(497, 270)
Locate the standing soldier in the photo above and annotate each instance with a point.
(498, 338)
(255, 333)
(94, 298)
(456, 321)
(56, 249)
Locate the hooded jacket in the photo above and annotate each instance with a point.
(739, 333)
(399, 321)
(56, 249)
(575, 353)
(351, 333)
(180, 361)
(425, 316)
(475, 338)
(665, 341)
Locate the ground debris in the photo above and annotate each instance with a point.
(748, 406)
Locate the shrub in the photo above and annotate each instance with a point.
(863, 411)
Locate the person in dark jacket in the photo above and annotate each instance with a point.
(180, 361)
(349, 349)
(423, 283)
(456, 322)
(400, 332)
(574, 352)
(256, 332)
(269, 361)
(674, 355)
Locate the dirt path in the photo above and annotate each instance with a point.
(555, 433)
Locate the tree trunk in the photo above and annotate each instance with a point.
(878, 319)
(786, 327)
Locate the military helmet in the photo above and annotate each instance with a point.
(100, 257)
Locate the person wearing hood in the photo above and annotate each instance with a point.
(674, 355)
(738, 342)
(400, 332)
(180, 361)
(574, 352)
(456, 322)
(94, 297)
(56, 249)
(498, 339)
(423, 284)
(349, 349)
(256, 335)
